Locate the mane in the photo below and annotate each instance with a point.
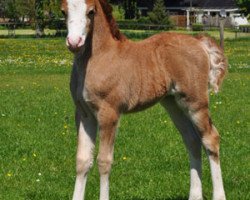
(107, 9)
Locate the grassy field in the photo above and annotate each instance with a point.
(134, 33)
(38, 138)
(215, 34)
(26, 32)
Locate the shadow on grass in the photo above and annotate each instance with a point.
(174, 198)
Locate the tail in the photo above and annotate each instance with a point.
(218, 62)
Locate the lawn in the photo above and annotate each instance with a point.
(38, 138)
(228, 34)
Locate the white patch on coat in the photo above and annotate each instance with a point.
(218, 189)
(85, 151)
(218, 65)
(195, 175)
(86, 95)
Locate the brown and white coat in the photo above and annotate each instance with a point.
(112, 75)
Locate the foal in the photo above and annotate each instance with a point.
(112, 75)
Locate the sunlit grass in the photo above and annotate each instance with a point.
(228, 34)
(38, 138)
(214, 33)
(26, 32)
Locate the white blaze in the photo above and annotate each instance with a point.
(77, 21)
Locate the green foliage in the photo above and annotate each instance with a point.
(245, 28)
(11, 9)
(144, 20)
(159, 14)
(3, 27)
(40, 12)
(118, 12)
(39, 17)
(197, 27)
(130, 7)
(244, 5)
(19, 9)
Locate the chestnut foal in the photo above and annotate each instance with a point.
(113, 75)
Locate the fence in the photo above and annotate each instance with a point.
(58, 28)
(17, 29)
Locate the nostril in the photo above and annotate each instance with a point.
(80, 39)
(74, 42)
(79, 42)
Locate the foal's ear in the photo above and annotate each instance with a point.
(64, 8)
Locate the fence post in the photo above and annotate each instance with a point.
(222, 23)
(236, 32)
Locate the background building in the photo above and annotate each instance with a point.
(186, 12)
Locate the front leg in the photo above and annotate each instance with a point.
(107, 119)
(87, 128)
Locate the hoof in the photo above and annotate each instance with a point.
(195, 197)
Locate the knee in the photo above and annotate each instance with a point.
(104, 165)
(83, 165)
(212, 142)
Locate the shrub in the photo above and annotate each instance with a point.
(197, 27)
(57, 24)
(118, 12)
(159, 14)
(144, 20)
(2, 27)
(245, 28)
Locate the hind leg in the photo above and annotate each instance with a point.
(210, 139)
(192, 142)
(196, 108)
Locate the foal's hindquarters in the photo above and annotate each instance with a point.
(188, 107)
(196, 129)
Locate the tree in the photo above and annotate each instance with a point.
(244, 5)
(17, 10)
(46, 11)
(39, 18)
(11, 9)
(25, 9)
(159, 14)
(130, 7)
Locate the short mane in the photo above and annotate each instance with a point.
(107, 9)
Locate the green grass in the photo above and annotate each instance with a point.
(141, 34)
(38, 138)
(26, 32)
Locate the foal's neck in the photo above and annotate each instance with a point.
(102, 36)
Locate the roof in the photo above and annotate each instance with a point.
(180, 3)
(204, 4)
(226, 4)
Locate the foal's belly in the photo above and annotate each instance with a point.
(140, 106)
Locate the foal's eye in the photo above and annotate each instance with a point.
(91, 12)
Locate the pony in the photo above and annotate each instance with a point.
(113, 75)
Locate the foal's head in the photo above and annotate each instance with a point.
(79, 14)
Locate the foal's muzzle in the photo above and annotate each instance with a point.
(75, 43)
